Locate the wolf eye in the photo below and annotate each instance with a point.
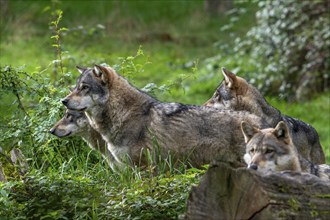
(269, 151)
(252, 151)
(83, 87)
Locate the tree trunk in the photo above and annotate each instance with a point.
(217, 7)
(226, 192)
(4, 8)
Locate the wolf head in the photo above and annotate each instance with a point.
(72, 123)
(227, 94)
(92, 88)
(270, 149)
(234, 93)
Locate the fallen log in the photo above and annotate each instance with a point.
(228, 192)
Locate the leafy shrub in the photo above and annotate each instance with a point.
(289, 47)
(38, 106)
(55, 196)
(48, 197)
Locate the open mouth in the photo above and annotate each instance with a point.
(62, 136)
(66, 135)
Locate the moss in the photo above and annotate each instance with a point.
(10, 171)
(283, 188)
(323, 196)
(314, 213)
(294, 204)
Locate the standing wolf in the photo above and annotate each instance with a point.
(131, 121)
(236, 94)
(272, 149)
(76, 123)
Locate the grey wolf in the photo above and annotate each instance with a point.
(236, 94)
(131, 122)
(76, 123)
(272, 149)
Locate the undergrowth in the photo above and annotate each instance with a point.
(74, 196)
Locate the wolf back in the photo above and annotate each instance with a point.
(131, 121)
(236, 94)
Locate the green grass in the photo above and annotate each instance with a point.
(315, 113)
(58, 190)
(27, 36)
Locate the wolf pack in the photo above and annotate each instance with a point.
(126, 125)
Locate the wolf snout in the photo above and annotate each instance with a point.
(253, 166)
(52, 131)
(65, 101)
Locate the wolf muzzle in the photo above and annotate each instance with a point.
(52, 131)
(253, 166)
(65, 101)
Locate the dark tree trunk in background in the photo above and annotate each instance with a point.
(217, 7)
(3, 8)
(226, 192)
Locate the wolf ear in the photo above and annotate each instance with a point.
(230, 78)
(101, 72)
(97, 70)
(81, 69)
(248, 131)
(281, 131)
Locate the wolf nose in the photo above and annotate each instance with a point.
(65, 101)
(51, 131)
(253, 166)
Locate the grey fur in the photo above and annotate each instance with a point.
(131, 121)
(236, 94)
(76, 123)
(272, 149)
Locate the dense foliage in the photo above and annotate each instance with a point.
(289, 47)
(55, 196)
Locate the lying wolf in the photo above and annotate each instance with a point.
(272, 149)
(131, 121)
(76, 123)
(236, 94)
